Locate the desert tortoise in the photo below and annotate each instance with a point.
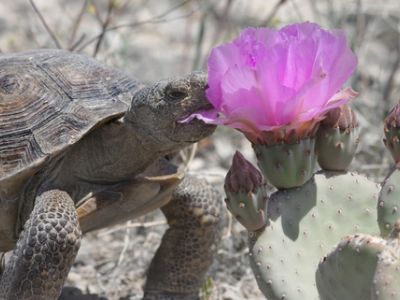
(80, 139)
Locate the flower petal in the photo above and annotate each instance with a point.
(340, 98)
(268, 78)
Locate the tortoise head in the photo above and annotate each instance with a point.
(157, 109)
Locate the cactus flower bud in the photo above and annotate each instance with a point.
(246, 199)
(337, 139)
(392, 133)
(287, 165)
(242, 176)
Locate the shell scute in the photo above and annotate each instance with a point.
(49, 99)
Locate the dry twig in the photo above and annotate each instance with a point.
(76, 25)
(126, 243)
(187, 156)
(49, 31)
(200, 38)
(390, 83)
(132, 225)
(222, 22)
(104, 26)
(154, 20)
(273, 13)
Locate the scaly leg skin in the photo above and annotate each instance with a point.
(45, 250)
(180, 264)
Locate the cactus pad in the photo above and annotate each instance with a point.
(336, 147)
(305, 223)
(387, 275)
(389, 203)
(392, 142)
(337, 139)
(347, 272)
(287, 165)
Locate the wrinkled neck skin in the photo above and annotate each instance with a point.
(109, 155)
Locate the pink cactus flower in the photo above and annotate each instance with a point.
(269, 79)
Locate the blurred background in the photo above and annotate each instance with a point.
(152, 39)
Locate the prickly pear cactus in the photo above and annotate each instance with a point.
(337, 139)
(348, 271)
(304, 224)
(293, 232)
(336, 147)
(389, 203)
(287, 165)
(385, 285)
(362, 267)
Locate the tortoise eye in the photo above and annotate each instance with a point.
(176, 95)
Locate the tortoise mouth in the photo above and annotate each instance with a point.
(205, 106)
(192, 131)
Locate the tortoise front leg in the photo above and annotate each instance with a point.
(45, 250)
(180, 264)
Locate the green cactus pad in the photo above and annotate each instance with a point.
(248, 208)
(336, 147)
(305, 223)
(389, 203)
(347, 272)
(392, 142)
(287, 165)
(386, 282)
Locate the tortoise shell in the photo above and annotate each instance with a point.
(49, 99)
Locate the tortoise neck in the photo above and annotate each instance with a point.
(111, 153)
